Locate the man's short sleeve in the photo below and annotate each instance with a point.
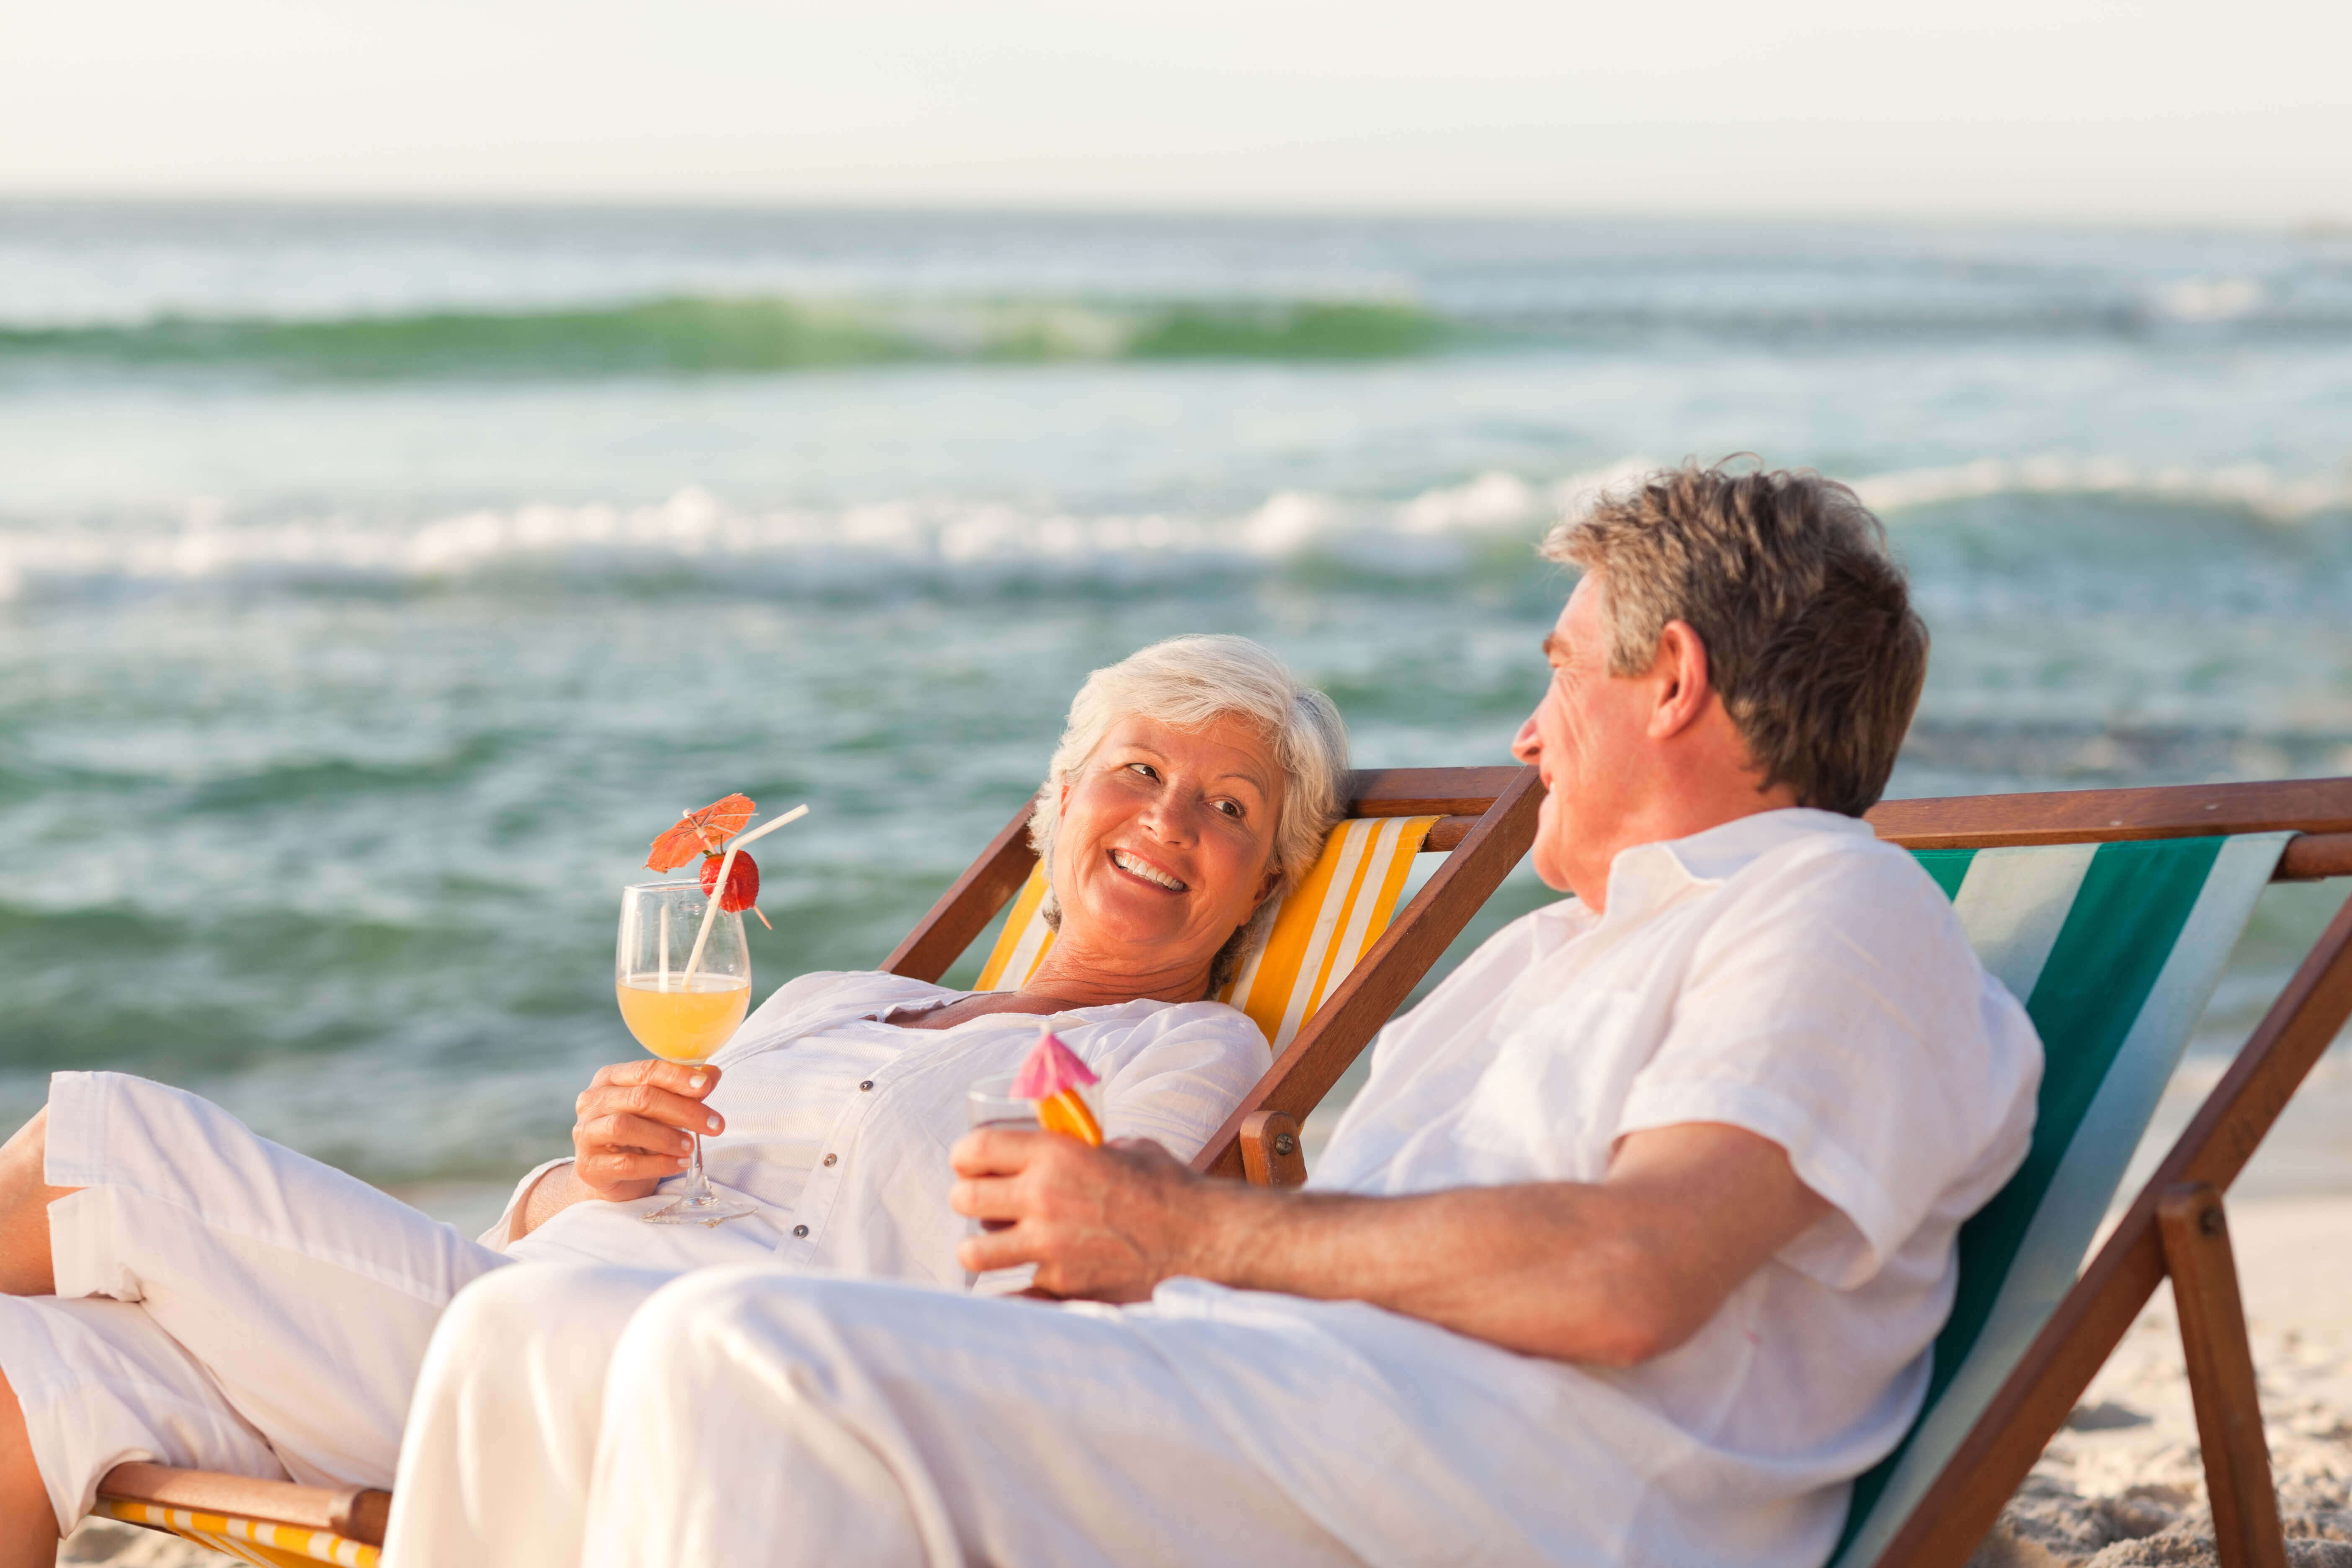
(1836, 1009)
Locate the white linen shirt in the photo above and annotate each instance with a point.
(838, 1124)
(1787, 973)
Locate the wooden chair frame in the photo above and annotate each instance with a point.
(2175, 1224)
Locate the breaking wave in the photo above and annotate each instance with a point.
(692, 334)
(2251, 487)
(696, 540)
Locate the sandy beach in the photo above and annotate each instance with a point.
(2124, 1485)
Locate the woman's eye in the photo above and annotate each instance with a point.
(1142, 768)
(1230, 808)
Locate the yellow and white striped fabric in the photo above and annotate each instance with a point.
(248, 1541)
(1318, 932)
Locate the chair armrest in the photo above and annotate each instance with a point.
(358, 1514)
(1271, 1156)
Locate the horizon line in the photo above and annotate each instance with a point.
(2320, 225)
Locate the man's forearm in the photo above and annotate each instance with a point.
(1614, 1272)
(1541, 1270)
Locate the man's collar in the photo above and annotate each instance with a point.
(1647, 876)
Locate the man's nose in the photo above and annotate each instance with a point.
(1527, 746)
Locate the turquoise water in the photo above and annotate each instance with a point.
(377, 581)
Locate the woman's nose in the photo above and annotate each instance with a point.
(1170, 820)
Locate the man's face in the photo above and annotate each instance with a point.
(1588, 738)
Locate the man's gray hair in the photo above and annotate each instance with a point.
(1785, 576)
(1189, 683)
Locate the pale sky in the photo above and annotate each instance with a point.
(2032, 108)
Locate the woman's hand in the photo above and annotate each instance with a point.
(634, 1126)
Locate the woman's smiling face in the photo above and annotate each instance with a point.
(1166, 843)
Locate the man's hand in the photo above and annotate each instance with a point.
(1107, 1223)
(633, 1126)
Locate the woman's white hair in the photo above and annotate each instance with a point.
(1189, 683)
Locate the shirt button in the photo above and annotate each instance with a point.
(866, 1085)
(829, 1159)
(800, 1230)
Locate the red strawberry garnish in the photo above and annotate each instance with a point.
(742, 881)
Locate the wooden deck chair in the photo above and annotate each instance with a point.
(2110, 913)
(1328, 974)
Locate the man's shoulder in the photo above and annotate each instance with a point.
(1523, 940)
(1842, 874)
(1846, 903)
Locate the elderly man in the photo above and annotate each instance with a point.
(1631, 1250)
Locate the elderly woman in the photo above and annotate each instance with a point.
(181, 1291)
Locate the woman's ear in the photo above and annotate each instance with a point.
(1062, 802)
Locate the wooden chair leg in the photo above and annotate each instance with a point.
(1271, 1156)
(2221, 1376)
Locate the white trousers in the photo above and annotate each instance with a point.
(747, 1416)
(223, 1302)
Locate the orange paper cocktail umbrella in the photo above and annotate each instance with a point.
(699, 833)
(1052, 1075)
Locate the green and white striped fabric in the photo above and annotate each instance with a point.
(2116, 949)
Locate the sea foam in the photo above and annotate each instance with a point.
(697, 539)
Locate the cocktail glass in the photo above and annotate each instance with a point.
(989, 1102)
(683, 1004)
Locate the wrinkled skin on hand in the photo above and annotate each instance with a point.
(1105, 1224)
(633, 1122)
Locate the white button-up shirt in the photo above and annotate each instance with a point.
(1785, 972)
(839, 1123)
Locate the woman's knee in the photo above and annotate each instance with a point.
(496, 1300)
(514, 1322)
(519, 1298)
(717, 1297)
(697, 1325)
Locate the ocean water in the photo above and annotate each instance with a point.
(375, 582)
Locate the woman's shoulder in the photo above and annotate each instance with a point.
(831, 993)
(1144, 1020)
(833, 985)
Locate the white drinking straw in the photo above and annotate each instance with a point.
(665, 946)
(727, 863)
(767, 827)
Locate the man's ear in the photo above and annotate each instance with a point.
(1681, 673)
